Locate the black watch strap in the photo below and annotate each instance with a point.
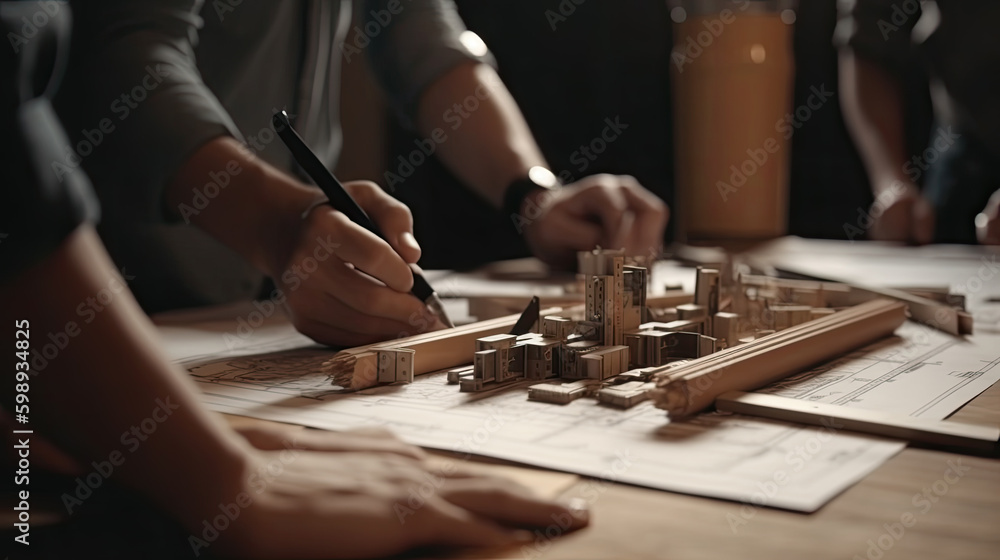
(538, 178)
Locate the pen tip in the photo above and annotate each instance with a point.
(437, 307)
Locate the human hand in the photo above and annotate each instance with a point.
(610, 211)
(900, 213)
(334, 505)
(270, 437)
(988, 222)
(344, 285)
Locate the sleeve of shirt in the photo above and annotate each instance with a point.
(39, 206)
(421, 41)
(134, 72)
(878, 30)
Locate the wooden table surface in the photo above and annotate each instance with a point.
(959, 519)
(922, 503)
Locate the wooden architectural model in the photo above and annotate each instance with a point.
(743, 333)
(736, 333)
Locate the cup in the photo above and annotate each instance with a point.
(732, 70)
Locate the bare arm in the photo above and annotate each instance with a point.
(873, 108)
(115, 383)
(491, 146)
(313, 496)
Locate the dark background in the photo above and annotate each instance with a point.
(612, 59)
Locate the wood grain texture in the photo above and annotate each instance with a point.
(639, 523)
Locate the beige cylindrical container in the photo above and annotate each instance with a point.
(732, 69)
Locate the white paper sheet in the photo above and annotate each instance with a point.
(920, 372)
(724, 456)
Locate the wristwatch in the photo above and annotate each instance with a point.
(538, 178)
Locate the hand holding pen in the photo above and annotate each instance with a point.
(360, 295)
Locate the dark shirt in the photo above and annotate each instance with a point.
(39, 207)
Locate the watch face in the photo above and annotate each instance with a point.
(543, 177)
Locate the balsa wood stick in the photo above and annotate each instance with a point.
(693, 387)
(357, 368)
(692, 367)
(917, 430)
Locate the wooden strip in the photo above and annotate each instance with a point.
(357, 368)
(877, 422)
(761, 344)
(694, 386)
(927, 311)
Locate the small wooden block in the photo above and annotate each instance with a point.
(485, 364)
(395, 365)
(691, 312)
(625, 395)
(560, 394)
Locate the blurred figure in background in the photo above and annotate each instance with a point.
(956, 42)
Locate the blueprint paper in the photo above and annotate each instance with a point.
(744, 459)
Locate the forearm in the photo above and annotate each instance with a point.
(488, 143)
(110, 395)
(873, 110)
(259, 211)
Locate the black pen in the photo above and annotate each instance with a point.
(342, 201)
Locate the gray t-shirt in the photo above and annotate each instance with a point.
(150, 82)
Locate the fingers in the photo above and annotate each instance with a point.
(366, 251)
(509, 503)
(631, 217)
(988, 222)
(326, 308)
(601, 197)
(447, 524)
(371, 440)
(391, 216)
(365, 295)
(650, 214)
